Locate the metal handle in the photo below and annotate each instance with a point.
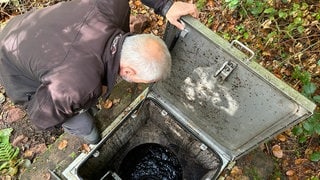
(244, 47)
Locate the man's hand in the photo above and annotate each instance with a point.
(179, 9)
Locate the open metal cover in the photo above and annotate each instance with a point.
(233, 102)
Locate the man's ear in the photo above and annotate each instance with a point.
(127, 72)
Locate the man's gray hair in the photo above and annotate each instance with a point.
(136, 52)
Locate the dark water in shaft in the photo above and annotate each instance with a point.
(150, 162)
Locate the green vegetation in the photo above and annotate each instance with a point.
(308, 88)
(287, 32)
(284, 21)
(73, 155)
(253, 174)
(200, 4)
(311, 126)
(9, 161)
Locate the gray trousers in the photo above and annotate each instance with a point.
(79, 125)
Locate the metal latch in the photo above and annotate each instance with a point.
(225, 71)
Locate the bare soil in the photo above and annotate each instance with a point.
(27, 137)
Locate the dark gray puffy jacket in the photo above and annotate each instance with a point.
(55, 60)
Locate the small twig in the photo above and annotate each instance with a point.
(267, 147)
(296, 84)
(287, 59)
(244, 9)
(310, 141)
(1, 11)
(305, 37)
(315, 51)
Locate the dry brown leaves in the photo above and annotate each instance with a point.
(237, 173)
(156, 23)
(280, 52)
(14, 114)
(293, 158)
(62, 144)
(85, 148)
(2, 98)
(20, 139)
(107, 104)
(37, 149)
(281, 137)
(277, 151)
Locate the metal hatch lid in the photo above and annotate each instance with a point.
(250, 106)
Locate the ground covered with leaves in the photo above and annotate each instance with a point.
(284, 34)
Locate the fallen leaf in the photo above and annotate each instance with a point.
(7, 177)
(288, 132)
(285, 71)
(285, 162)
(39, 148)
(299, 46)
(2, 98)
(279, 76)
(294, 177)
(116, 101)
(85, 148)
(28, 154)
(13, 171)
(14, 115)
(53, 138)
(210, 3)
(290, 172)
(266, 53)
(63, 144)
(138, 23)
(266, 24)
(300, 161)
(277, 151)
(308, 151)
(18, 140)
(308, 171)
(236, 171)
(281, 137)
(137, 3)
(107, 104)
(160, 22)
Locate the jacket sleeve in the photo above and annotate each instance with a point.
(160, 6)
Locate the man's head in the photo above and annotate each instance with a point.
(145, 58)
